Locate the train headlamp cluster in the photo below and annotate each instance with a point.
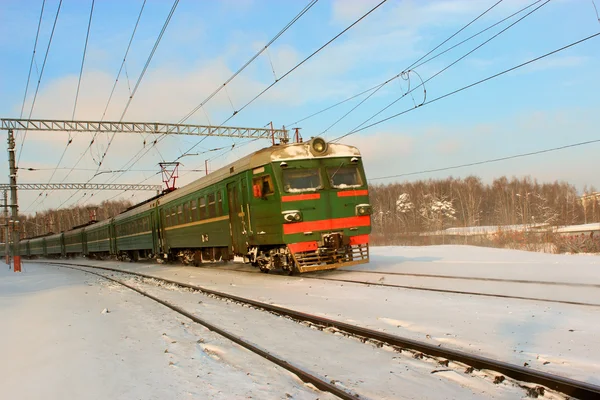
(292, 216)
(364, 209)
(318, 146)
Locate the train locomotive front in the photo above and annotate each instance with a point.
(311, 200)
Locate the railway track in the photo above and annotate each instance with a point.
(574, 388)
(474, 278)
(305, 376)
(327, 276)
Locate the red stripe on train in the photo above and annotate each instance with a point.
(303, 246)
(349, 193)
(298, 197)
(360, 239)
(326, 224)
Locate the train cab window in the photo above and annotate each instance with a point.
(202, 207)
(262, 186)
(212, 210)
(194, 210)
(344, 177)
(301, 180)
(219, 203)
(186, 213)
(179, 214)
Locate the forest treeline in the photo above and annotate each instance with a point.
(414, 207)
(65, 219)
(431, 205)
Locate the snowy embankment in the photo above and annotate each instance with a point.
(78, 336)
(58, 342)
(556, 338)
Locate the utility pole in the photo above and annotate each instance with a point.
(7, 229)
(13, 200)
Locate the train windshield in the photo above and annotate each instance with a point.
(344, 177)
(301, 180)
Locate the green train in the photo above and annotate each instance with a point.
(296, 207)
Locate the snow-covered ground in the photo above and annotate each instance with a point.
(68, 334)
(556, 338)
(56, 343)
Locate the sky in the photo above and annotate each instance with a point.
(550, 103)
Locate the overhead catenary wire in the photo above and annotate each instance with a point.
(142, 74)
(471, 85)
(412, 66)
(112, 90)
(40, 79)
(70, 139)
(493, 160)
(148, 60)
(137, 156)
(407, 70)
(142, 152)
(254, 57)
(87, 36)
(447, 67)
(296, 67)
(37, 35)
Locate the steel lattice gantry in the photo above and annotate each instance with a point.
(79, 186)
(142, 127)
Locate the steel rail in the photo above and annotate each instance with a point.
(451, 291)
(429, 289)
(571, 387)
(470, 278)
(303, 375)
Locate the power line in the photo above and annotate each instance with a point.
(243, 67)
(40, 79)
(489, 161)
(142, 152)
(112, 90)
(376, 87)
(236, 112)
(142, 74)
(32, 57)
(70, 140)
(139, 81)
(450, 65)
(471, 85)
(306, 59)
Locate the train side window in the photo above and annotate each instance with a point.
(262, 186)
(211, 206)
(194, 210)
(186, 212)
(202, 207)
(173, 216)
(219, 203)
(180, 214)
(166, 218)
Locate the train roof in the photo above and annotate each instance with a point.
(259, 158)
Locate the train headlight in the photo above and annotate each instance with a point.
(364, 209)
(292, 216)
(318, 146)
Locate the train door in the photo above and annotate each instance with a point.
(112, 234)
(154, 226)
(236, 199)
